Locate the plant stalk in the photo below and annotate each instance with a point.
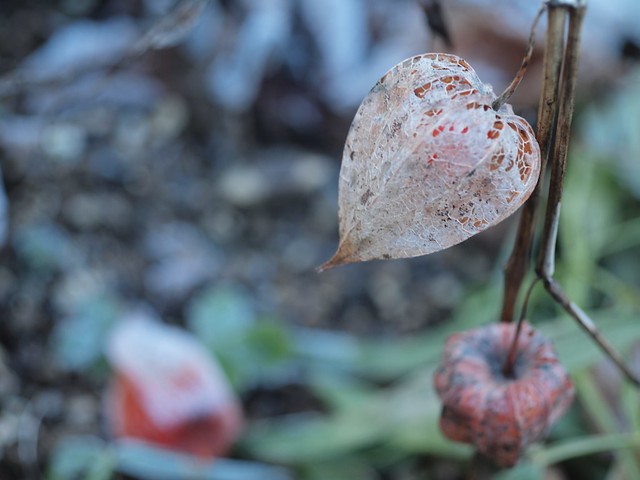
(519, 262)
(504, 96)
(545, 265)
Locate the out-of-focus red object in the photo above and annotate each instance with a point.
(501, 414)
(169, 391)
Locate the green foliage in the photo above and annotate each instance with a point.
(89, 458)
(381, 408)
(220, 315)
(522, 471)
(401, 420)
(46, 246)
(82, 457)
(78, 341)
(350, 467)
(250, 347)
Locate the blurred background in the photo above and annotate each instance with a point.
(179, 160)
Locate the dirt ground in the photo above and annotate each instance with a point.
(139, 174)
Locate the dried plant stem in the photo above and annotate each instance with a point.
(520, 259)
(555, 117)
(556, 292)
(546, 258)
(509, 364)
(504, 96)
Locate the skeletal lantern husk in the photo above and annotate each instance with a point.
(169, 391)
(501, 414)
(429, 163)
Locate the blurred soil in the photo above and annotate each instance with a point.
(134, 180)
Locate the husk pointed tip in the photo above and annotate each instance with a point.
(343, 256)
(334, 261)
(325, 266)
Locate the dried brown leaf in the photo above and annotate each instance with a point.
(428, 163)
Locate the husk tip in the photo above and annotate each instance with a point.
(331, 263)
(341, 257)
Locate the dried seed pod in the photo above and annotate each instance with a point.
(500, 414)
(428, 162)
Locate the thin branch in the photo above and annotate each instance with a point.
(520, 259)
(504, 97)
(546, 258)
(548, 106)
(509, 364)
(556, 292)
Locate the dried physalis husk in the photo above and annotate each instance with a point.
(428, 162)
(498, 413)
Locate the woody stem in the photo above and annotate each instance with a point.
(504, 96)
(508, 369)
(519, 262)
(546, 257)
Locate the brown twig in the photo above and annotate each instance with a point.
(556, 292)
(509, 365)
(504, 96)
(546, 258)
(562, 99)
(520, 259)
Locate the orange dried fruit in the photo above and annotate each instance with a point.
(498, 413)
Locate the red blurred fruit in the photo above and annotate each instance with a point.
(501, 414)
(169, 391)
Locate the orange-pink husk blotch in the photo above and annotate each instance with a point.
(501, 414)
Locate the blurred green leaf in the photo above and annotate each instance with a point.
(620, 292)
(351, 468)
(249, 348)
(148, 462)
(389, 359)
(90, 458)
(269, 341)
(78, 341)
(416, 416)
(522, 471)
(314, 437)
(594, 403)
(587, 210)
(630, 399)
(46, 246)
(621, 236)
(338, 389)
(404, 417)
(605, 418)
(220, 315)
(578, 447)
(81, 457)
(611, 129)
(577, 350)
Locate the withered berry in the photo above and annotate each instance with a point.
(501, 414)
